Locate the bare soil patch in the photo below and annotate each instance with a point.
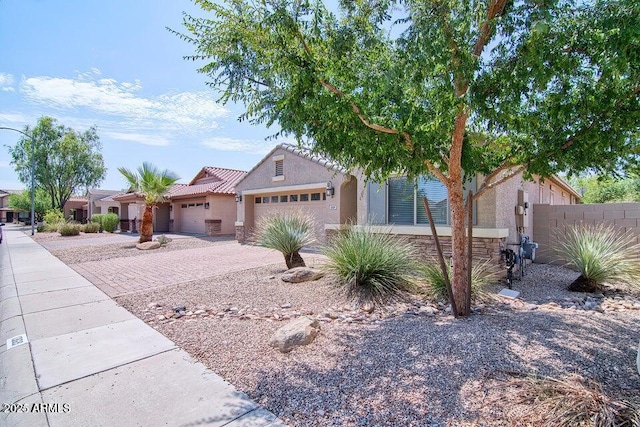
(409, 363)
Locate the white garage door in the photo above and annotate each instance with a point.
(192, 218)
(313, 201)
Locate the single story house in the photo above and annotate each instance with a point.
(206, 205)
(7, 213)
(291, 177)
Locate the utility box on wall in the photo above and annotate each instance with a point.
(522, 210)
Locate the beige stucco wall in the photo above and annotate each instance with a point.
(223, 207)
(175, 213)
(300, 175)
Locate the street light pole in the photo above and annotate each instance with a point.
(33, 172)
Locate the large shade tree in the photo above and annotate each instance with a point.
(65, 161)
(152, 184)
(22, 202)
(450, 88)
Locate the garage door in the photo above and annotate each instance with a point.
(192, 218)
(313, 202)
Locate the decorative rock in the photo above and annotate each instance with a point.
(287, 305)
(153, 305)
(427, 311)
(148, 245)
(301, 274)
(301, 331)
(160, 317)
(199, 312)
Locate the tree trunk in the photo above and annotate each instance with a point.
(146, 229)
(294, 260)
(459, 269)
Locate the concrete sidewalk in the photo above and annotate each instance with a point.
(89, 362)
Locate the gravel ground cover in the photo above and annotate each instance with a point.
(103, 248)
(406, 364)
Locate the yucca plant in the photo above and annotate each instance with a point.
(286, 232)
(371, 267)
(600, 254)
(481, 275)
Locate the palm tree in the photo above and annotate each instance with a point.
(153, 184)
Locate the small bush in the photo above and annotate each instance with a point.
(371, 267)
(163, 240)
(69, 229)
(91, 227)
(97, 218)
(110, 222)
(600, 254)
(54, 217)
(286, 232)
(481, 276)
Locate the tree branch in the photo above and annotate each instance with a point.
(486, 186)
(495, 9)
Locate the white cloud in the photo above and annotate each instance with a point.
(5, 164)
(122, 109)
(139, 138)
(13, 118)
(6, 82)
(241, 145)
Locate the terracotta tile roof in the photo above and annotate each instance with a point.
(210, 180)
(77, 199)
(111, 197)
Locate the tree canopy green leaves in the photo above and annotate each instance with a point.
(66, 161)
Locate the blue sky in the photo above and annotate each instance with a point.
(114, 64)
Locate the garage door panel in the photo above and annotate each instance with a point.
(192, 218)
(316, 208)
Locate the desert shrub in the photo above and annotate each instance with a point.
(600, 254)
(163, 240)
(481, 275)
(69, 229)
(110, 222)
(97, 218)
(370, 267)
(91, 227)
(286, 232)
(54, 217)
(569, 402)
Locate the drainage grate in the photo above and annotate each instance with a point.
(16, 341)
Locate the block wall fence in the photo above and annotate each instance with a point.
(549, 222)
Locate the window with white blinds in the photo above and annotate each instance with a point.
(405, 206)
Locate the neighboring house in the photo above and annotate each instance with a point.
(290, 177)
(206, 205)
(102, 201)
(7, 213)
(75, 209)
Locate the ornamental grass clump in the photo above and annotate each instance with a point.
(69, 229)
(482, 275)
(569, 402)
(601, 254)
(371, 267)
(286, 232)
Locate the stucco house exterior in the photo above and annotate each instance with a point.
(290, 177)
(7, 213)
(206, 205)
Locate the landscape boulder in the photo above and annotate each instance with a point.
(301, 274)
(148, 245)
(300, 331)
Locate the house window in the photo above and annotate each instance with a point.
(258, 200)
(265, 199)
(293, 198)
(283, 199)
(183, 206)
(304, 197)
(274, 199)
(315, 196)
(405, 205)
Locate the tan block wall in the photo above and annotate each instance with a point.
(549, 221)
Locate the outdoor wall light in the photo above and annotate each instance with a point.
(238, 198)
(330, 189)
(206, 205)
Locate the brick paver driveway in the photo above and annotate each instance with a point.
(124, 275)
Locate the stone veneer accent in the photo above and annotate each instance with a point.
(240, 233)
(213, 227)
(484, 248)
